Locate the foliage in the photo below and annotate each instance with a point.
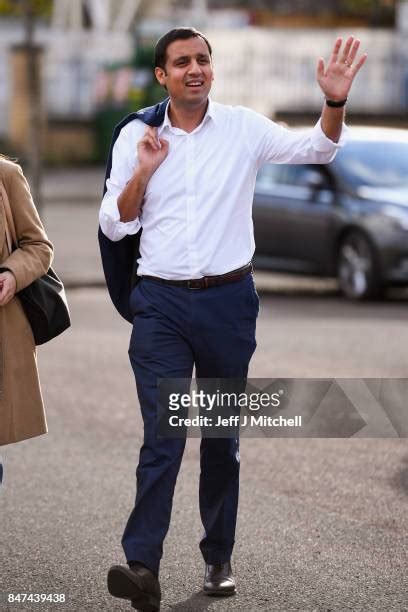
(152, 92)
(340, 7)
(377, 13)
(367, 7)
(40, 8)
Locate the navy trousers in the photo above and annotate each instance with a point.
(174, 329)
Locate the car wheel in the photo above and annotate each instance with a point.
(357, 271)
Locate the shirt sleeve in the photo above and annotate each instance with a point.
(270, 142)
(124, 163)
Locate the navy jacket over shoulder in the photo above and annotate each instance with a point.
(119, 259)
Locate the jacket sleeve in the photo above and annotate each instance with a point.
(34, 254)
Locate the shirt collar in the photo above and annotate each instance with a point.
(211, 112)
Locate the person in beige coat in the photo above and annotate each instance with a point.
(22, 413)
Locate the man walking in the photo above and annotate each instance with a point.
(188, 183)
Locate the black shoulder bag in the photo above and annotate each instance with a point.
(44, 301)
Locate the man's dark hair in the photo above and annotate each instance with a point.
(160, 50)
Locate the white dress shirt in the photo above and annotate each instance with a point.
(197, 209)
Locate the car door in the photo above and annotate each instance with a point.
(269, 215)
(294, 216)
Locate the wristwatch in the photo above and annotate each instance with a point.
(336, 103)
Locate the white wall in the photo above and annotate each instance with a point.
(268, 70)
(275, 69)
(72, 61)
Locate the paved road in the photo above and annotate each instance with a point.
(323, 524)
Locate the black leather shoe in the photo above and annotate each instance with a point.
(138, 584)
(219, 579)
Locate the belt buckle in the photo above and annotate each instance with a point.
(190, 286)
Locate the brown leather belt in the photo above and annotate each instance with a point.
(206, 281)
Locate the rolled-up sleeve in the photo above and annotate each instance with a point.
(270, 142)
(124, 162)
(323, 144)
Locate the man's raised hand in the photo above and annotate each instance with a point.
(335, 80)
(151, 150)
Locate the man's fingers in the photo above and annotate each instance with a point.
(150, 141)
(360, 62)
(151, 130)
(153, 143)
(346, 50)
(353, 53)
(336, 50)
(320, 68)
(153, 133)
(150, 137)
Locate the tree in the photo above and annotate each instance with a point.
(41, 8)
(368, 8)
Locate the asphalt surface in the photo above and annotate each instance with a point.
(323, 523)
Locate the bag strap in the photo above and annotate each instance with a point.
(11, 235)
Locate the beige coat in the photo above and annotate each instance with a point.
(21, 407)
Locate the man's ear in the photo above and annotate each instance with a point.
(160, 75)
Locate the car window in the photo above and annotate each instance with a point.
(374, 163)
(300, 175)
(294, 175)
(269, 176)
